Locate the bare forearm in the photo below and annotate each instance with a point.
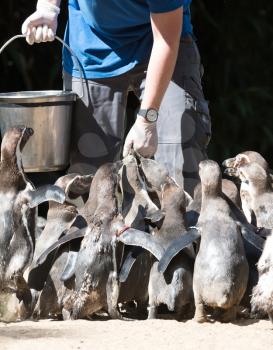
(159, 73)
(163, 56)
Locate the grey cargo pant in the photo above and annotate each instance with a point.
(184, 128)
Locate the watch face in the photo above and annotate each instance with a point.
(152, 115)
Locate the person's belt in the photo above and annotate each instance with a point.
(187, 39)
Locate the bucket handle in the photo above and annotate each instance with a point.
(64, 44)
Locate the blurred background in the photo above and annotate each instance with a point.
(235, 39)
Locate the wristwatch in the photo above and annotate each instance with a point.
(149, 114)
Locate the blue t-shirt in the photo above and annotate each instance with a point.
(111, 36)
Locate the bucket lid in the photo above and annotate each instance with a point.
(38, 96)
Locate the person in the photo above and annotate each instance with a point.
(143, 46)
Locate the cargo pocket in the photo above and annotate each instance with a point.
(203, 123)
(201, 116)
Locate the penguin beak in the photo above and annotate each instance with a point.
(229, 163)
(231, 172)
(26, 134)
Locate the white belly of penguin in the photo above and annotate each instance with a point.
(6, 207)
(6, 226)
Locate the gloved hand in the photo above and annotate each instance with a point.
(142, 138)
(41, 25)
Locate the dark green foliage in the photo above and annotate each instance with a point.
(236, 43)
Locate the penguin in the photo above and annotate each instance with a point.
(232, 164)
(261, 196)
(136, 202)
(45, 282)
(260, 193)
(262, 294)
(194, 207)
(18, 214)
(174, 287)
(221, 268)
(245, 158)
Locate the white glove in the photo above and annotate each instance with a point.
(41, 26)
(142, 138)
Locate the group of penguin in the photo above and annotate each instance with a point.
(128, 241)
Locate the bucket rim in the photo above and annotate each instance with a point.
(36, 96)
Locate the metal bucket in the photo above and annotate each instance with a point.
(49, 114)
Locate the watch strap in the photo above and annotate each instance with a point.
(145, 113)
(142, 112)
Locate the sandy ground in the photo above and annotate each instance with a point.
(152, 334)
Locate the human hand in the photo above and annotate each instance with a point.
(41, 26)
(142, 138)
